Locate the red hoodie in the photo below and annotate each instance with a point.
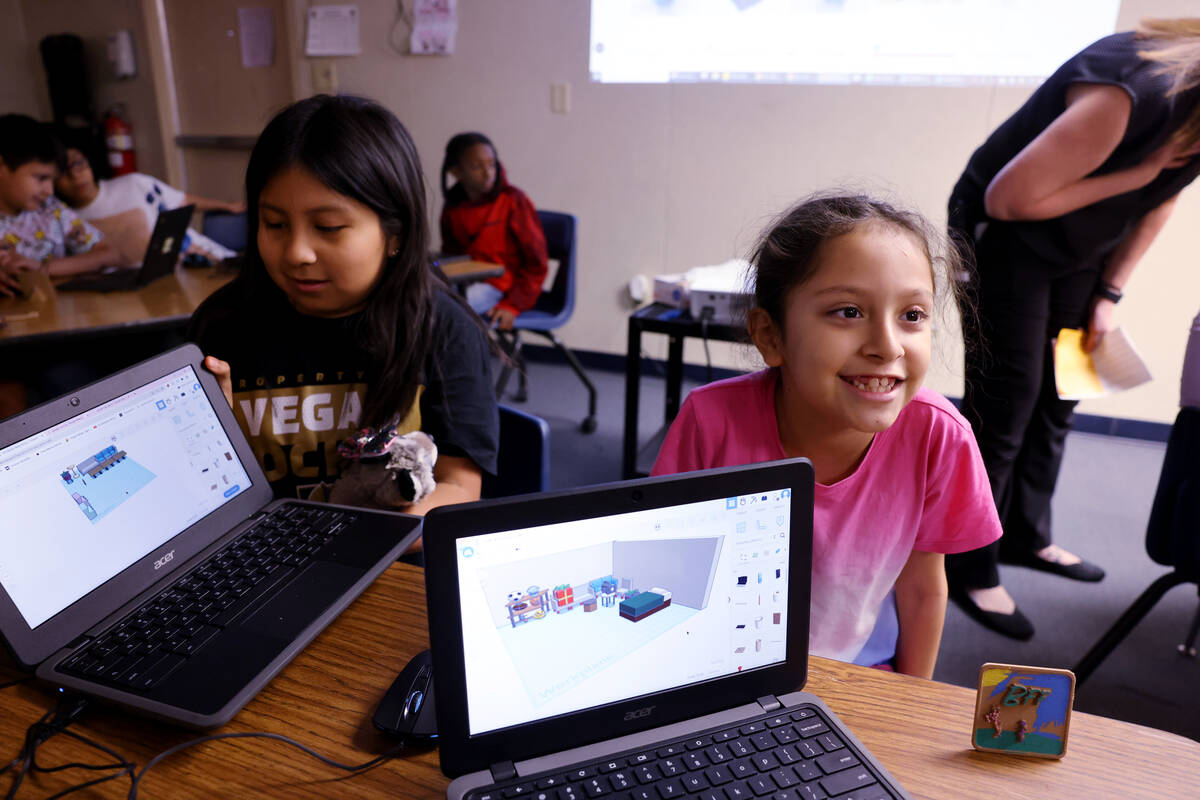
(503, 228)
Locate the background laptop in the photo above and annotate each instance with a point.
(141, 557)
(637, 639)
(166, 240)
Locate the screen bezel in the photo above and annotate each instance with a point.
(29, 646)
(448, 527)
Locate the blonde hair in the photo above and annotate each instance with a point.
(1175, 45)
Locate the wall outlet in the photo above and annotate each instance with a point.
(560, 98)
(324, 76)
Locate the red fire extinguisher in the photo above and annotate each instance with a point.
(118, 135)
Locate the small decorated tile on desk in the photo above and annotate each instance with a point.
(1023, 710)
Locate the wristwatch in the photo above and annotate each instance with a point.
(1108, 292)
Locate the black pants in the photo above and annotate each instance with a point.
(1010, 398)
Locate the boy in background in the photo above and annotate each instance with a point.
(38, 232)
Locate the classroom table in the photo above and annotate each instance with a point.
(462, 272)
(48, 318)
(677, 324)
(920, 730)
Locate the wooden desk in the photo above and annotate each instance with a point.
(461, 273)
(920, 730)
(50, 317)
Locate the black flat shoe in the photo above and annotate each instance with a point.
(1083, 571)
(1015, 625)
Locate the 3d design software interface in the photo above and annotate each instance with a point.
(569, 616)
(85, 499)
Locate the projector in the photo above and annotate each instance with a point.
(719, 292)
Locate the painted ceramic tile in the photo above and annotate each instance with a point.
(1023, 710)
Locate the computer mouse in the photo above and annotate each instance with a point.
(407, 711)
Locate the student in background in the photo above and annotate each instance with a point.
(843, 290)
(491, 220)
(1057, 207)
(96, 201)
(335, 322)
(37, 232)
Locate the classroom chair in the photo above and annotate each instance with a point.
(226, 229)
(1172, 539)
(523, 463)
(552, 311)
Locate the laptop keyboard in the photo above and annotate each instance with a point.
(790, 755)
(160, 636)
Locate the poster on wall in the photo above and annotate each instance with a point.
(332, 31)
(435, 24)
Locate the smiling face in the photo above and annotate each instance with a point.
(855, 342)
(476, 170)
(76, 184)
(324, 250)
(27, 187)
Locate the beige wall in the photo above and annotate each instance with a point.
(17, 92)
(93, 21)
(667, 177)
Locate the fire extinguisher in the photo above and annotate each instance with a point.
(118, 135)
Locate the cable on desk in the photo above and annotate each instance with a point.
(355, 768)
(17, 682)
(54, 722)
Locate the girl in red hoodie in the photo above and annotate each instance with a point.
(488, 219)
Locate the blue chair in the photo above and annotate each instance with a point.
(552, 311)
(523, 463)
(226, 229)
(1172, 539)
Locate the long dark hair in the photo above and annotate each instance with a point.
(459, 144)
(359, 149)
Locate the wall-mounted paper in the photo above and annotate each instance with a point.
(1112, 367)
(332, 31)
(435, 24)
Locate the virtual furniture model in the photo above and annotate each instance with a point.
(327, 695)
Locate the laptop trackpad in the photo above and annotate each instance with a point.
(309, 594)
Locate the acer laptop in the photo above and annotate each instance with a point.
(142, 559)
(644, 639)
(162, 253)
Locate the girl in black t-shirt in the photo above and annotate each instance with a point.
(336, 322)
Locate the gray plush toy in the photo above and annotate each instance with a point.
(386, 471)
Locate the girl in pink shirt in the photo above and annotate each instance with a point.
(843, 293)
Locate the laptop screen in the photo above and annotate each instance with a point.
(569, 616)
(86, 498)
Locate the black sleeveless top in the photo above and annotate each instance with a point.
(1086, 236)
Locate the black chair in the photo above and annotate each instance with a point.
(552, 311)
(523, 463)
(1172, 539)
(226, 229)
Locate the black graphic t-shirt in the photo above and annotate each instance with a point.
(300, 384)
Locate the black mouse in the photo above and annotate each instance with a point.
(407, 711)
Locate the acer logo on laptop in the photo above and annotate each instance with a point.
(638, 713)
(164, 560)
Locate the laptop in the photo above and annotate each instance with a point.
(644, 639)
(143, 560)
(162, 253)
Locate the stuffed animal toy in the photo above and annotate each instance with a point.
(385, 470)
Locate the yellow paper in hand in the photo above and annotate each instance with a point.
(1075, 375)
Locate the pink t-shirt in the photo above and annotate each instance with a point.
(921, 486)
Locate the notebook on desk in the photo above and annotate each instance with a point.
(644, 639)
(142, 559)
(162, 253)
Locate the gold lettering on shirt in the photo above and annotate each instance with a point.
(294, 431)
